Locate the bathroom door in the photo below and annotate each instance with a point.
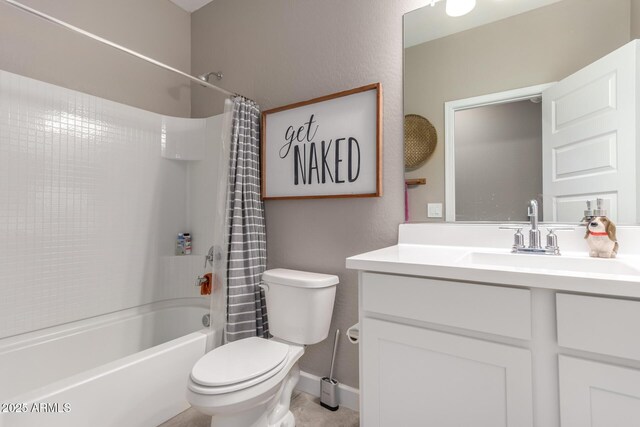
(589, 139)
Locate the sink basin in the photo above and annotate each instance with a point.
(549, 262)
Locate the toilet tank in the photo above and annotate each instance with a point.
(299, 304)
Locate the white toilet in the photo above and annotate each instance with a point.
(248, 383)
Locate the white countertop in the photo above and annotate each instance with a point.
(614, 277)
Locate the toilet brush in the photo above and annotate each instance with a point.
(329, 385)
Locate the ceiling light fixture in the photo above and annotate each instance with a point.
(459, 7)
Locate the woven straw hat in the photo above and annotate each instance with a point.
(420, 139)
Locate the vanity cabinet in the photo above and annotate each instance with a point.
(449, 353)
(600, 325)
(416, 372)
(598, 394)
(414, 376)
(593, 393)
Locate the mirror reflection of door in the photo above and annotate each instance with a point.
(589, 139)
(573, 142)
(498, 160)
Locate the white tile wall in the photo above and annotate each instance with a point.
(202, 191)
(89, 208)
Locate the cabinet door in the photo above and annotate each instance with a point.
(598, 394)
(419, 377)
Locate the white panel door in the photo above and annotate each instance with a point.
(419, 377)
(598, 395)
(589, 139)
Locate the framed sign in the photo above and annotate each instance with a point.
(325, 147)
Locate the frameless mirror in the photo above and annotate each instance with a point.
(529, 100)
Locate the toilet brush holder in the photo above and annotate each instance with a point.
(329, 393)
(329, 385)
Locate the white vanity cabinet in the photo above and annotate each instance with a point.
(456, 331)
(417, 370)
(445, 353)
(599, 392)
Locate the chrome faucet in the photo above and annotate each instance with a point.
(534, 233)
(535, 246)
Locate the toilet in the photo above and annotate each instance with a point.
(248, 383)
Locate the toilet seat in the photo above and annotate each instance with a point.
(238, 365)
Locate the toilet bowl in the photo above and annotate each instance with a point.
(248, 383)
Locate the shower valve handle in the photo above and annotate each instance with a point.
(209, 258)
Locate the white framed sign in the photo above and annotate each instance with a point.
(325, 147)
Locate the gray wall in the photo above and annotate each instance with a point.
(512, 53)
(34, 48)
(283, 51)
(635, 19)
(498, 153)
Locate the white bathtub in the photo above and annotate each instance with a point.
(128, 368)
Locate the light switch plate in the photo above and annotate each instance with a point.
(434, 210)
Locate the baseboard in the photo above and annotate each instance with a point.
(348, 397)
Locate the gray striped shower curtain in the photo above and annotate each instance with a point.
(247, 251)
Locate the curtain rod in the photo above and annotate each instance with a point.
(114, 45)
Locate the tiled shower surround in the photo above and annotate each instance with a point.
(89, 207)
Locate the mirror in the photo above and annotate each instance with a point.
(529, 100)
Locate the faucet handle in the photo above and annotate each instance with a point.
(552, 238)
(518, 237)
(209, 257)
(551, 229)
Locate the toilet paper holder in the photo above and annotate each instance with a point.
(353, 333)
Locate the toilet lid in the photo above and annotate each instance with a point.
(239, 361)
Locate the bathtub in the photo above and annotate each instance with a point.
(128, 368)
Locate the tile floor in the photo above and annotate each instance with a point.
(306, 410)
(308, 413)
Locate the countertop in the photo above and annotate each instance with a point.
(614, 277)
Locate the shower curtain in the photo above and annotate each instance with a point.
(247, 243)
